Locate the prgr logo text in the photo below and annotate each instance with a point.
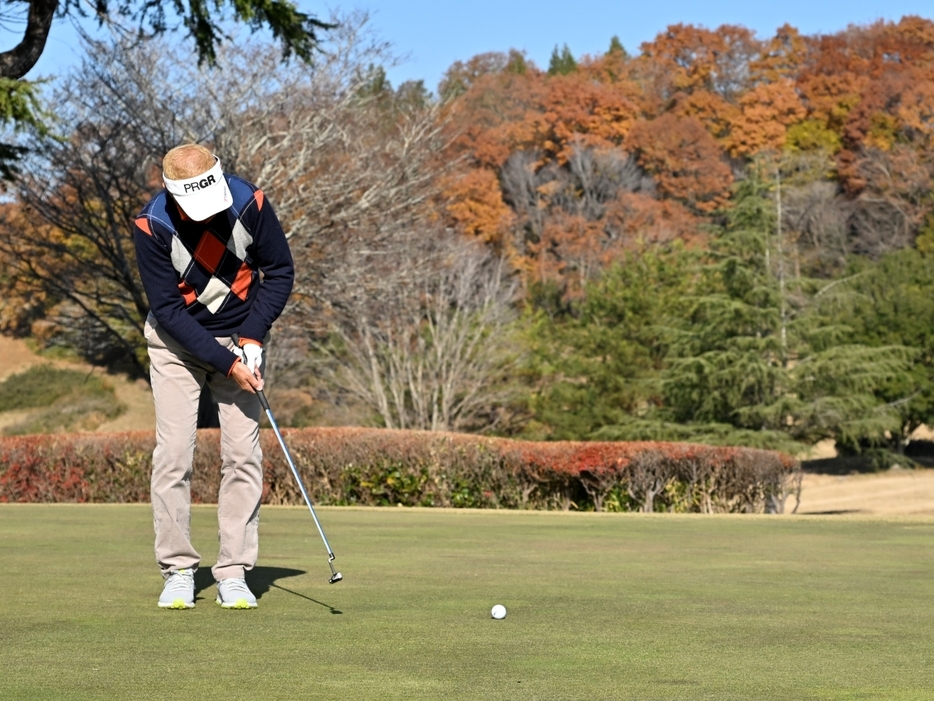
(201, 184)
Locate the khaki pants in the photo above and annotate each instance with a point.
(177, 380)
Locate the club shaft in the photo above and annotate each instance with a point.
(298, 479)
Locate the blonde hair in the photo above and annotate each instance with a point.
(187, 161)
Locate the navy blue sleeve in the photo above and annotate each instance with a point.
(168, 306)
(270, 252)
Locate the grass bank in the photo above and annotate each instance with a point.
(600, 606)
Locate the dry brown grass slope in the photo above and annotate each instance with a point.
(134, 395)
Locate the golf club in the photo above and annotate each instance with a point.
(335, 575)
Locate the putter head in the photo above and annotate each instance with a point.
(336, 578)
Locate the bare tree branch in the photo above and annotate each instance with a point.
(426, 343)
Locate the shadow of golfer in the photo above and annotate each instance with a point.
(203, 580)
(260, 580)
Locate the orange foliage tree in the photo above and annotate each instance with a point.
(475, 204)
(694, 108)
(686, 58)
(767, 112)
(684, 160)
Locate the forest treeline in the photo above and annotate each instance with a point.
(718, 238)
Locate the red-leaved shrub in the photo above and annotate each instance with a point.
(418, 468)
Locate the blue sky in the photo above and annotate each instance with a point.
(434, 34)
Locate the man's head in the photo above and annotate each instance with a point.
(194, 178)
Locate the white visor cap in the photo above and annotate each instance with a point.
(202, 196)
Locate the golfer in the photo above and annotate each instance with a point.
(201, 246)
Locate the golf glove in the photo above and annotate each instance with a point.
(252, 356)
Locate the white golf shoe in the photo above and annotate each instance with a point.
(235, 594)
(179, 590)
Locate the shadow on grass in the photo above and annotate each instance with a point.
(834, 512)
(918, 454)
(330, 608)
(261, 579)
(845, 465)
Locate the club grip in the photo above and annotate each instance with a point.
(262, 400)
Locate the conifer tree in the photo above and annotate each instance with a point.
(599, 359)
(617, 48)
(752, 359)
(562, 63)
(891, 303)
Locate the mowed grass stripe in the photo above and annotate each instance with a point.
(599, 606)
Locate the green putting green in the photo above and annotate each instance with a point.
(600, 606)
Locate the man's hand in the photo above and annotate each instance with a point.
(252, 356)
(247, 380)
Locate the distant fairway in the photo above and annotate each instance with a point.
(600, 607)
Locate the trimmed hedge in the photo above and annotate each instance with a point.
(417, 468)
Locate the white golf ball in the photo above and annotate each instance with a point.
(498, 612)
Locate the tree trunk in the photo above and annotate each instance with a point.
(18, 61)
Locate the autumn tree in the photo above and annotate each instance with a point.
(686, 58)
(548, 181)
(685, 162)
(766, 113)
(780, 57)
(576, 218)
(868, 84)
(461, 75)
(475, 205)
(856, 100)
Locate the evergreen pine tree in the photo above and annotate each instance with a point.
(890, 302)
(617, 48)
(753, 360)
(562, 63)
(597, 362)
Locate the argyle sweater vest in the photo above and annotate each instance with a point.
(203, 278)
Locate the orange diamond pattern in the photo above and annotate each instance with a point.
(241, 283)
(209, 252)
